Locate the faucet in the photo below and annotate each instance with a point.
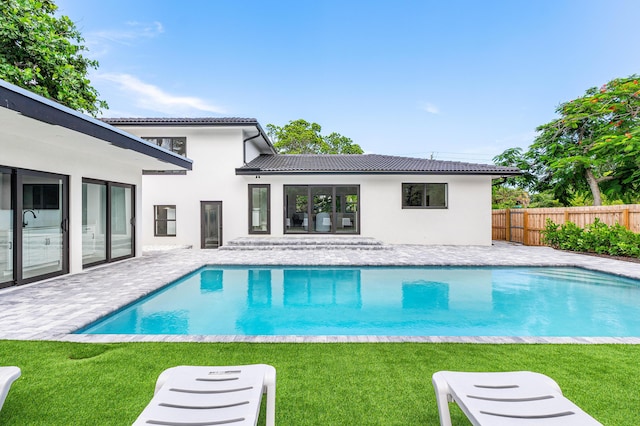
(24, 222)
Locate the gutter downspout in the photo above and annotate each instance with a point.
(244, 146)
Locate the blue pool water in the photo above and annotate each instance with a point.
(386, 301)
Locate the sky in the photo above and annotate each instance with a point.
(455, 80)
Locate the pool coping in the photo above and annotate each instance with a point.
(54, 309)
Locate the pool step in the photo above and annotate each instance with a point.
(327, 243)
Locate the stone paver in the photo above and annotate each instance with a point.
(54, 309)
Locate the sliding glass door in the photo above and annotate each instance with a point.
(108, 221)
(34, 222)
(122, 221)
(6, 228)
(44, 224)
(42, 201)
(322, 209)
(94, 222)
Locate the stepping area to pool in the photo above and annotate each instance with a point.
(53, 309)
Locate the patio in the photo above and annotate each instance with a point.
(51, 310)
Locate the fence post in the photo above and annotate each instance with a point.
(625, 219)
(566, 216)
(525, 228)
(507, 224)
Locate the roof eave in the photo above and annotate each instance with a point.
(260, 172)
(265, 137)
(42, 109)
(143, 123)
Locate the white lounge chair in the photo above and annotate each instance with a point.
(189, 395)
(8, 375)
(512, 398)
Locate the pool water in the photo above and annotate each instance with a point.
(386, 301)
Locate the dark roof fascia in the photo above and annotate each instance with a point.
(258, 172)
(189, 123)
(42, 109)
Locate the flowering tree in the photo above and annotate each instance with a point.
(594, 144)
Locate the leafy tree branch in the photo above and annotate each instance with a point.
(43, 53)
(301, 137)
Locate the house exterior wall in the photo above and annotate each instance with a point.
(466, 220)
(217, 152)
(251, 151)
(77, 165)
(212, 179)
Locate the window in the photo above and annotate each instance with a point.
(259, 217)
(177, 145)
(424, 195)
(165, 221)
(326, 209)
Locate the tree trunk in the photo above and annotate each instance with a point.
(595, 189)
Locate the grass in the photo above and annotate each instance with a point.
(317, 384)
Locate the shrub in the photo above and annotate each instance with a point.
(597, 237)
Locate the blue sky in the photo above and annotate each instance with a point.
(456, 80)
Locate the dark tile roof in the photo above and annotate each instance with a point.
(195, 121)
(181, 120)
(364, 164)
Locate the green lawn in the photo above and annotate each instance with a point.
(317, 384)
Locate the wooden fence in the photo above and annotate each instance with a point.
(524, 225)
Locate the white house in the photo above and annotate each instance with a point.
(70, 188)
(240, 187)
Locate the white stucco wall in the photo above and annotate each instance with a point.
(217, 152)
(466, 221)
(212, 179)
(251, 151)
(32, 153)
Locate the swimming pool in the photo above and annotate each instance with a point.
(386, 301)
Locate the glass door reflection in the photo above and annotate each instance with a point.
(210, 224)
(94, 222)
(43, 222)
(122, 221)
(6, 229)
(322, 213)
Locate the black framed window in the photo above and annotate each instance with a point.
(108, 221)
(164, 221)
(175, 144)
(424, 196)
(259, 212)
(322, 209)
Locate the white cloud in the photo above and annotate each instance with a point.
(430, 108)
(152, 98)
(133, 31)
(100, 43)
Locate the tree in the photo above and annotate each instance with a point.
(302, 137)
(43, 53)
(503, 197)
(593, 145)
(514, 157)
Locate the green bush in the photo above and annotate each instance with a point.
(597, 237)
